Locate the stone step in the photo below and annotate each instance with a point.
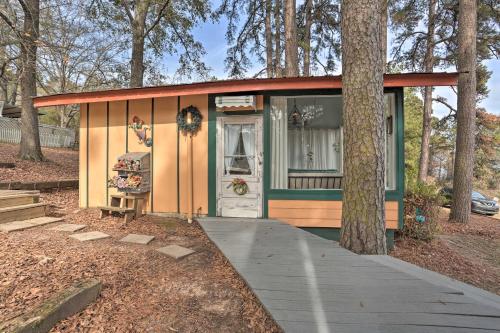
(27, 224)
(22, 212)
(15, 199)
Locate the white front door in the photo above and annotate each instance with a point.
(239, 159)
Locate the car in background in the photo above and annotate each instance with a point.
(480, 203)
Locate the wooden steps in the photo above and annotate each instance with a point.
(20, 205)
(28, 224)
(15, 199)
(22, 212)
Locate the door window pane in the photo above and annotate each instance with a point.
(239, 149)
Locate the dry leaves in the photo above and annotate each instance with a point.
(143, 290)
(62, 163)
(469, 253)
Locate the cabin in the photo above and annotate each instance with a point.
(260, 148)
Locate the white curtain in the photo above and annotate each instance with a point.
(279, 146)
(314, 149)
(248, 134)
(231, 137)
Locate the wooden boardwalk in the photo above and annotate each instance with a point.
(310, 284)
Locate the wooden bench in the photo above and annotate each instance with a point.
(119, 204)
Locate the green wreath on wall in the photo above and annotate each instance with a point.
(194, 125)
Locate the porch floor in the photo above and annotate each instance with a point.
(310, 284)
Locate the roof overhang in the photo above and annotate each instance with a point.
(245, 85)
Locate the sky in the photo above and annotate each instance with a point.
(212, 35)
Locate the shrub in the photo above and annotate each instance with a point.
(421, 211)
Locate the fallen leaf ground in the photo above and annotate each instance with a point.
(469, 253)
(143, 290)
(61, 163)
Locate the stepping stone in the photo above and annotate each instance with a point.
(175, 251)
(26, 224)
(137, 239)
(68, 227)
(88, 236)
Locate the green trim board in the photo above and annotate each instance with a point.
(126, 127)
(312, 171)
(285, 194)
(178, 159)
(212, 156)
(107, 153)
(87, 159)
(152, 155)
(400, 153)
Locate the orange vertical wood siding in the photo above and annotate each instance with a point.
(165, 155)
(117, 137)
(97, 154)
(316, 213)
(142, 109)
(82, 186)
(200, 159)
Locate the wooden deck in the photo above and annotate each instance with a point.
(310, 284)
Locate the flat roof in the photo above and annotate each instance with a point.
(241, 85)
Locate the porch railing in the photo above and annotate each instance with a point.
(314, 180)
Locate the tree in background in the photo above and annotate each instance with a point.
(67, 62)
(162, 26)
(27, 39)
(466, 112)
(291, 46)
(487, 162)
(421, 29)
(426, 38)
(363, 204)
(256, 33)
(413, 107)
(9, 63)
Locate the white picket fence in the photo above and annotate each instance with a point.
(50, 136)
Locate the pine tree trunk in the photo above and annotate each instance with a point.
(277, 39)
(291, 47)
(384, 16)
(307, 38)
(138, 30)
(423, 168)
(363, 204)
(466, 112)
(30, 137)
(269, 40)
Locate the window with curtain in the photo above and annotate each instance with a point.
(239, 149)
(306, 142)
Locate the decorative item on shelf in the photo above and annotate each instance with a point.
(189, 120)
(240, 186)
(127, 164)
(141, 131)
(133, 173)
(129, 181)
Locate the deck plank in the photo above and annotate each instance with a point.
(310, 284)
